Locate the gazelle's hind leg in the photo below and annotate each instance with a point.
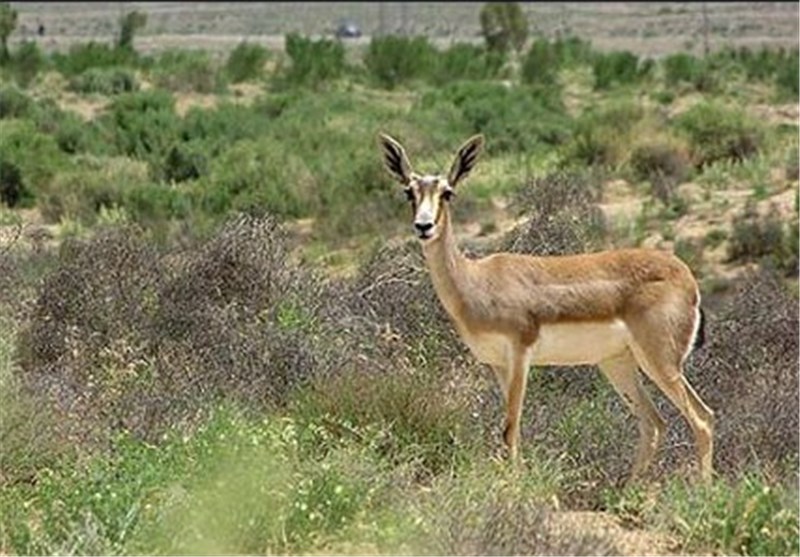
(623, 373)
(660, 359)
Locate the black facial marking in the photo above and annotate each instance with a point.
(447, 195)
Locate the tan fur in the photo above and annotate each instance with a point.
(639, 308)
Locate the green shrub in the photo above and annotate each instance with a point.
(680, 67)
(239, 485)
(791, 167)
(104, 81)
(12, 189)
(313, 62)
(765, 65)
(514, 119)
(415, 422)
(83, 56)
(716, 133)
(541, 64)
(26, 62)
(14, 103)
(181, 70)
(758, 238)
(617, 68)
(225, 124)
(29, 158)
(96, 183)
(205, 133)
(663, 97)
(600, 135)
(258, 176)
(186, 161)
(334, 166)
(246, 62)
(787, 75)
(748, 517)
(142, 125)
(394, 60)
(464, 61)
(155, 204)
(572, 51)
(71, 132)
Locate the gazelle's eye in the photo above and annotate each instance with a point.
(447, 195)
(409, 194)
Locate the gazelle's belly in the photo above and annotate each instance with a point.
(557, 344)
(580, 343)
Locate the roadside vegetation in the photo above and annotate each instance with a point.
(217, 335)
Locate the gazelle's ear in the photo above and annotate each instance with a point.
(465, 159)
(395, 159)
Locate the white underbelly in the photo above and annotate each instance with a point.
(557, 344)
(580, 343)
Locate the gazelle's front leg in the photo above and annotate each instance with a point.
(503, 376)
(518, 378)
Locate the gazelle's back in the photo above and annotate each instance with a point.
(585, 287)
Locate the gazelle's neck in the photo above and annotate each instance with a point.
(447, 265)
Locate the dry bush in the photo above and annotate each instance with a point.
(747, 373)
(393, 289)
(563, 215)
(126, 337)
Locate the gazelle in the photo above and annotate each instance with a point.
(620, 309)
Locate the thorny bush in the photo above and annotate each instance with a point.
(563, 215)
(126, 337)
(747, 373)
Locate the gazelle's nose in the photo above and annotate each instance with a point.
(423, 227)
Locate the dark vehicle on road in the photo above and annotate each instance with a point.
(347, 30)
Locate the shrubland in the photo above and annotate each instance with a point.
(178, 375)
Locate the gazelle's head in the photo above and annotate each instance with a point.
(428, 193)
